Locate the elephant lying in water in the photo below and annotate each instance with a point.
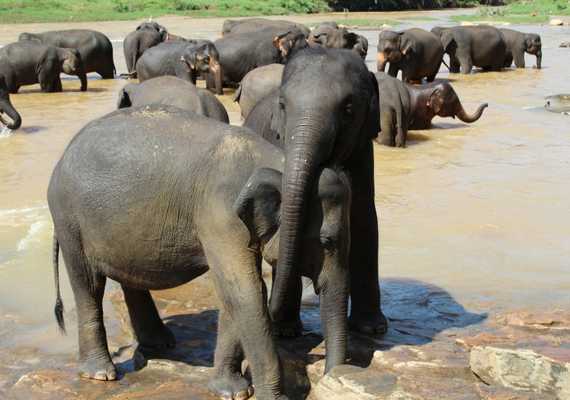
(404, 107)
(173, 91)
(189, 194)
(559, 103)
(7, 108)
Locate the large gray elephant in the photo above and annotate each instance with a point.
(28, 62)
(147, 35)
(94, 47)
(519, 43)
(256, 85)
(7, 108)
(233, 26)
(329, 34)
(405, 107)
(170, 90)
(473, 46)
(416, 52)
(189, 194)
(185, 59)
(325, 113)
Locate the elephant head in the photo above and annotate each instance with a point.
(72, 64)
(288, 43)
(331, 36)
(327, 113)
(533, 45)
(393, 47)
(325, 243)
(444, 102)
(7, 108)
(202, 57)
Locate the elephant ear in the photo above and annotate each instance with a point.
(278, 116)
(435, 101)
(407, 46)
(258, 205)
(372, 122)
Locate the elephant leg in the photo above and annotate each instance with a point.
(519, 59)
(387, 136)
(401, 136)
(88, 289)
(228, 381)
(291, 325)
(466, 64)
(393, 70)
(149, 329)
(508, 61)
(365, 313)
(454, 65)
(106, 73)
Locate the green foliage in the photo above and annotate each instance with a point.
(520, 12)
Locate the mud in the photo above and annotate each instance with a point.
(473, 218)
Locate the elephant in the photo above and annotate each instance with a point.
(7, 108)
(559, 103)
(328, 34)
(418, 53)
(233, 26)
(94, 47)
(27, 63)
(189, 194)
(256, 85)
(518, 43)
(147, 35)
(468, 46)
(185, 59)
(170, 90)
(321, 120)
(241, 53)
(404, 107)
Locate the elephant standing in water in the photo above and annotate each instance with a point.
(27, 63)
(147, 35)
(189, 194)
(404, 107)
(94, 47)
(7, 108)
(325, 113)
(518, 43)
(329, 34)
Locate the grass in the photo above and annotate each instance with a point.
(367, 22)
(520, 12)
(24, 11)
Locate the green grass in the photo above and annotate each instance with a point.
(366, 22)
(22, 11)
(520, 12)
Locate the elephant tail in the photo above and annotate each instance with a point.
(444, 63)
(58, 309)
(237, 95)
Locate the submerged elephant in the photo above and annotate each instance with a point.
(473, 46)
(234, 26)
(518, 43)
(256, 85)
(329, 34)
(200, 195)
(185, 59)
(94, 47)
(7, 108)
(325, 113)
(147, 35)
(27, 63)
(416, 52)
(559, 103)
(404, 107)
(173, 91)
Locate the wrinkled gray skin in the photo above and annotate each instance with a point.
(405, 107)
(241, 53)
(185, 59)
(320, 120)
(559, 103)
(170, 90)
(519, 43)
(189, 194)
(28, 62)
(416, 52)
(256, 85)
(328, 34)
(147, 35)
(233, 26)
(473, 46)
(94, 47)
(7, 108)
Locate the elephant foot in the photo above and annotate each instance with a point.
(234, 387)
(287, 328)
(375, 325)
(157, 339)
(101, 370)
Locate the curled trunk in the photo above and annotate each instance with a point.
(9, 109)
(463, 116)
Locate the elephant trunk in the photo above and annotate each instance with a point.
(334, 304)
(463, 116)
(539, 59)
(216, 71)
(381, 61)
(9, 109)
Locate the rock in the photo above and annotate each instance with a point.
(553, 322)
(556, 22)
(524, 370)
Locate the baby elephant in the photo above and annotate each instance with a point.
(170, 90)
(404, 107)
(518, 43)
(28, 63)
(152, 197)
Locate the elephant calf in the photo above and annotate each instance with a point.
(329, 34)
(7, 108)
(404, 107)
(256, 85)
(152, 197)
(518, 43)
(170, 90)
(27, 63)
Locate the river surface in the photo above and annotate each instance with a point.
(481, 211)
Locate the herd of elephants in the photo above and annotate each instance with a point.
(164, 189)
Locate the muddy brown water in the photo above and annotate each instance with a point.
(479, 210)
